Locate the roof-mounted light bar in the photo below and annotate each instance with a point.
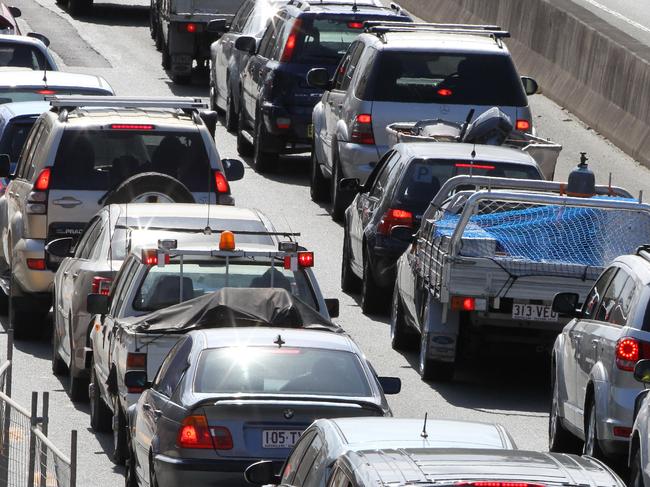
(71, 102)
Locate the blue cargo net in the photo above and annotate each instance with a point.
(549, 234)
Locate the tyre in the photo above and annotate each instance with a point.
(373, 297)
(244, 147)
(591, 446)
(100, 415)
(160, 41)
(213, 97)
(433, 370)
(152, 21)
(559, 438)
(182, 79)
(265, 162)
(317, 182)
(77, 386)
(58, 365)
(340, 201)
(27, 325)
(150, 187)
(131, 477)
(231, 114)
(120, 434)
(636, 470)
(79, 7)
(350, 283)
(4, 303)
(401, 338)
(166, 59)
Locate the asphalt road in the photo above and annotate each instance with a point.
(513, 390)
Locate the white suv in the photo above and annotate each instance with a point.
(87, 152)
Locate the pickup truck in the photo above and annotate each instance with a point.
(185, 29)
(158, 286)
(485, 265)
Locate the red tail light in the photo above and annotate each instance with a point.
(43, 180)
(492, 483)
(136, 360)
(485, 167)
(445, 92)
(362, 130)
(101, 285)
(627, 353)
(392, 218)
(36, 264)
(302, 260)
(355, 25)
(221, 183)
(46, 92)
(150, 257)
(292, 40)
(522, 125)
(622, 431)
(221, 438)
(131, 126)
(194, 433)
(462, 303)
(191, 27)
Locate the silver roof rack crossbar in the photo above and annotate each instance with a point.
(381, 28)
(415, 25)
(171, 102)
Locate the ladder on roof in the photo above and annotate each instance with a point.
(170, 102)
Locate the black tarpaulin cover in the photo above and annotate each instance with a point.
(232, 307)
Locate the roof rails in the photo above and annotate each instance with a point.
(382, 27)
(305, 4)
(175, 103)
(644, 251)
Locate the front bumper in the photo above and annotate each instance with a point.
(358, 160)
(172, 471)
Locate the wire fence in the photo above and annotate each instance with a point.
(27, 457)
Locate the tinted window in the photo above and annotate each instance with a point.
(293, 461)
(352, 66)
(281, 370)
(466, 79)
(12, 94)
(173, 367)
(340, 479)
(241, 16)
(593, 298)
(384, 177)
(259, 17)
(23, 162)
(307, 461)
(88, 239)
(21, 56)
(100, 160)
(621, 311)
(269, 40)
(423, 178)
(325, 41)
(13, 138)
(609, 302)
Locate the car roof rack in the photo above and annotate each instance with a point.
(383, 27)
(643, 251)
(72, 102)
(355, 4)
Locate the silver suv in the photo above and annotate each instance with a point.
(87, 152)
(594, 357)
(398, 72)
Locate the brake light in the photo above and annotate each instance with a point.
(136, 360)
(392, 218)
(522, 125)
(355, 25)
(463, 303)
(627, 353)
(43, 180)
(292, 40)
(131, 126)
(485, 167)
(622, 431)
(221, 438)
(191, 28)
(492, 483)
(362, 130)
(300, 260)
(445, 92)
(150, 257)
(221, 183)
(101, 285)
(46, 92)
(36, 264)
(194, 433)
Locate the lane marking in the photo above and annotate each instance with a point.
(618, 15)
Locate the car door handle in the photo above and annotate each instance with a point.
(148, 407)
(75, 275)
(67, 202)
(65, 274)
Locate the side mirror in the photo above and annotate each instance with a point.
(97, 304)
(209, 118)
(642, 371)
(566, 304)
(247, 44)
(234, 169)
(136, 380)
(390, 385)
(350, 185)
(402, 233)
(15, 12)
(217, 26)
(530, 85)
(5, 166)
(56, 251)
(332, 305)
(45, 40)
(261, 473)
(319, 78)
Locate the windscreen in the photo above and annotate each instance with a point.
(10, 95)
(423, 178)
(325, 41)
(453, 79)
(101, 160)
(14, 137)
(300, 371)
(21, 56)
(161, 286)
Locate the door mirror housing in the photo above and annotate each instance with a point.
(350, 185)
(402, 233)
(390, 385)
(332, 305)
(642, 371)
(15, 11)
(217, 26)
(319, 78)
(209, 118)
(261, 473)
(234, 169)
(566, 304)
(136, 380)
(44, 39)
(97, 304)
(247, 44)
(56, 251)
(5, 166)
(531, 87)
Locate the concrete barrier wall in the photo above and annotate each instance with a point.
(595, 71)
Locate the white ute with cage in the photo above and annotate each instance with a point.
(492, 253)
(182, 276)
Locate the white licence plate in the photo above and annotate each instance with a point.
(280, 438)
(533, 312)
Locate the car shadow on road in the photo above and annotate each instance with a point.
(115, 14)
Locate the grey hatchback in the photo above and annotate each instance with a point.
(224, 398)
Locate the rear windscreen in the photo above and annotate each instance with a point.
(325, 41)
(21, 56)
(423, 178)
(454, 79)
(14, 137)
(100, 160)
(286, 370)
(11, 95)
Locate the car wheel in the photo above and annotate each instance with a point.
(317, 182)
(78, 7)
(160, 41)
(636, 470)
(77, 386)
(100, 415)
(434, 370)
(152, 22)
(401, 338)
(182, 79)
(265, 162)
(131, 477)
(350, 283)
(120, 443)
(591, 446)
(153, 481)
(166, 59)
(244, 147)
(58, 365)
(231, 114)
(373, 297)
(27, 325)
(340, 201)
(213, 96)
(559, 438)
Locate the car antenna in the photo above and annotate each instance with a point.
(111, 233)
(45, 76)
(279, 341)
(424, 433)
(354, 6)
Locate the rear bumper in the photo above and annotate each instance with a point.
(384, 264)
(31, 281)
(357, 160)
(172, 471)
(295, 138)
